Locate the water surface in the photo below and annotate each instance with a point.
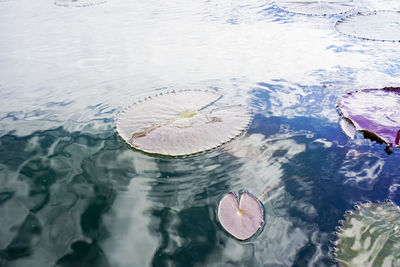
(73, 194)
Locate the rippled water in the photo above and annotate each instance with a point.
(73, 194)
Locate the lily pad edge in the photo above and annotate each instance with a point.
(364, 14)
(238, 196)
(56, 2)
(243, 132)
(344, 117)
(317, 15)
(333, 250)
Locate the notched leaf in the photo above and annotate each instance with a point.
(242, 219)
(181, 123)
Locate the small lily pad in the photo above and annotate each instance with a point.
(316, 7)
(369, 236)
(348, 128)
(181, 123)
(375, 112)
(78, 3)
(241, 219)
(378, 25)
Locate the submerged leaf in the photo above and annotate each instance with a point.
(379, 25)
(256, 146)
(374, 111)
(78, 3)
(181, 123)
(241, 219)
(370, 236)
(316, 7)
(251, 146)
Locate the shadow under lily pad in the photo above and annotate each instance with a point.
(369, 236)
(316, 7)
(373, 111)
(376, 26)
(181, 123)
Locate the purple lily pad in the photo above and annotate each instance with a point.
(78, 3)
(241, 219)
(181, 123)
(378, 25)
(374, 111)
(316, 7)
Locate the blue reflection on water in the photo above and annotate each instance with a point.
(71, 192)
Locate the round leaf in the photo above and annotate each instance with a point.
(181, 123)
(78, 3)
(370, 236)
(348, 128)
(376, 111)
(241, 219)
(379, 25)
(315, 7)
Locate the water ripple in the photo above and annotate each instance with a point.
(71, 192)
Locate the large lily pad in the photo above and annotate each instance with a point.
(78, 3)
(316, 7)
(241, 219)
(378, 25)
(370, 236)
(374, 111)
(181, 123)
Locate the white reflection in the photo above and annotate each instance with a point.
(361, 168)
(64, 65)
(130, 241)
(263, 158)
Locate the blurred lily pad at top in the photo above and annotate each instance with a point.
(78, 3)
(181, 123)
(375, 112)
(369, 236)
(316, 7)
(378, 26)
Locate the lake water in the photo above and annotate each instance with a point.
(73, 194)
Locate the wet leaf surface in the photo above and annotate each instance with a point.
(241, 219)
(375, 112)
(320, 8)
(378, 25)
(181, 123)
(78, 3)
(370, 236)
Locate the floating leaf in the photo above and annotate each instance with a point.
(181, 123)
(241, 219)
(348, 128)
(379, 25)
(370, 236)
(78, 3)
(374, 111)
(315, 7)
